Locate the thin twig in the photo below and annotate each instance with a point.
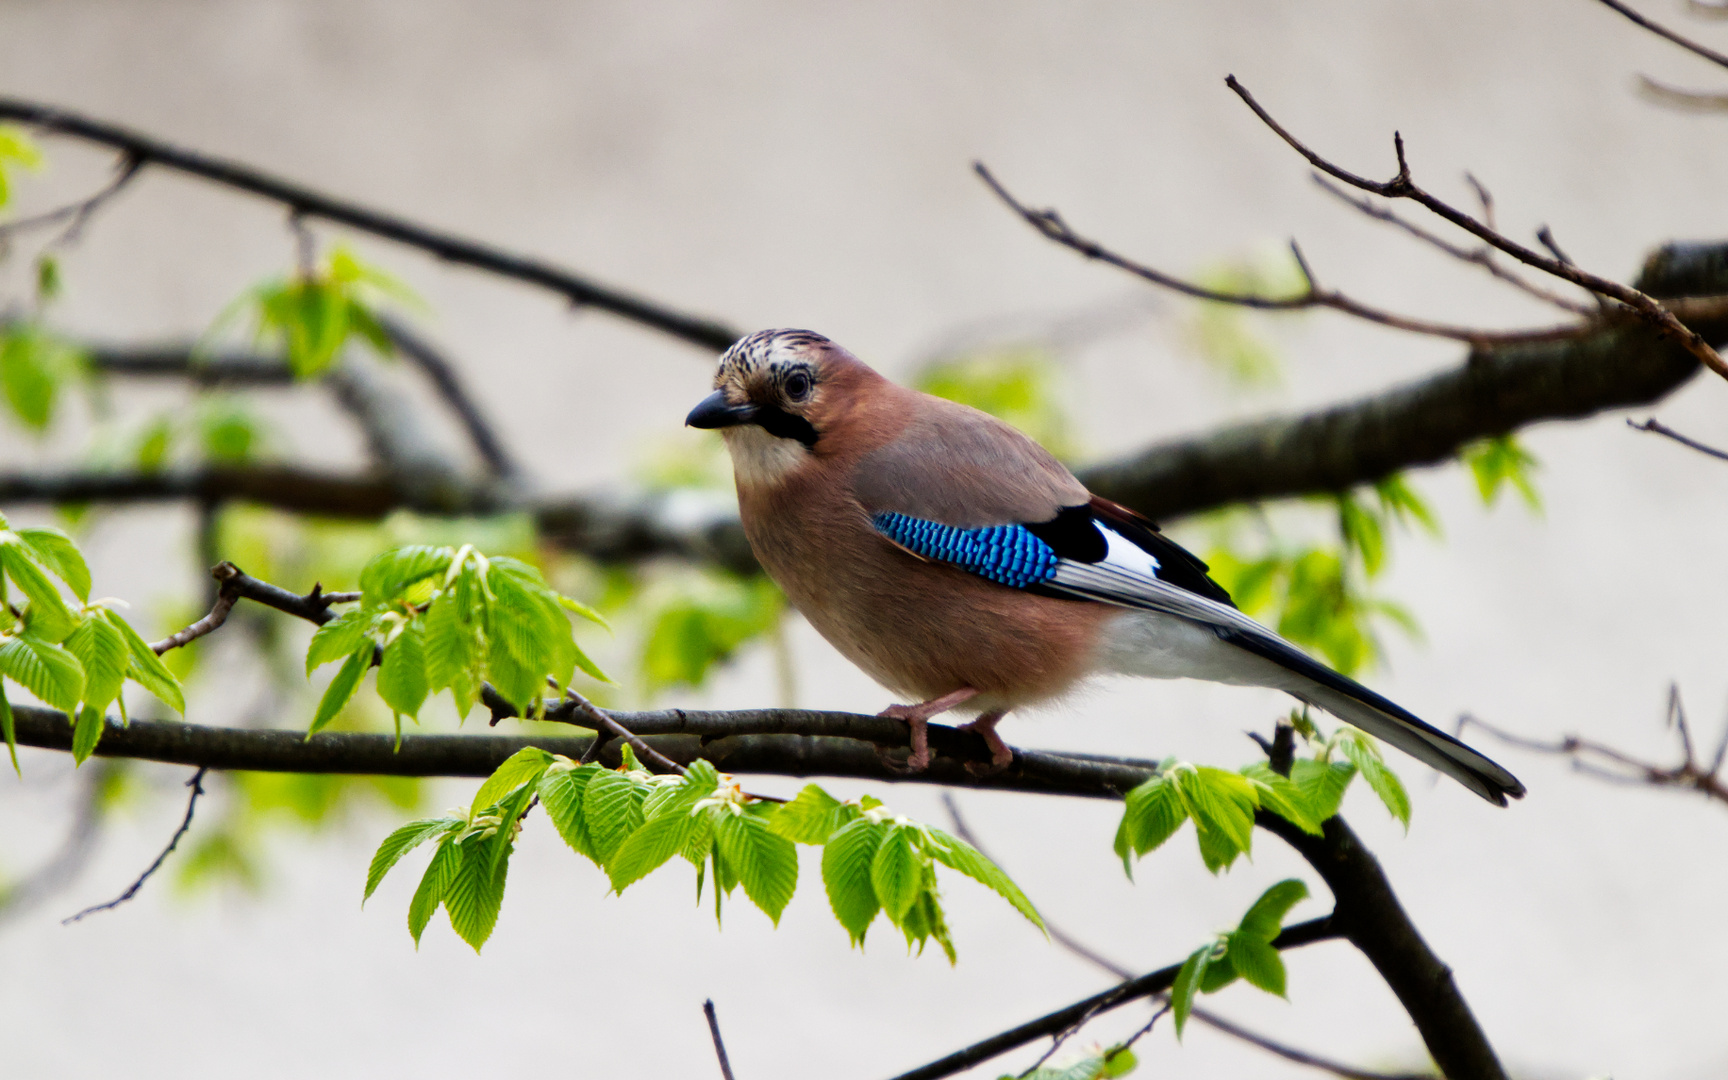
(1545, 236)
(719, 1046)
(1050, 224)
(79, 212)
(1674, 97)
(1401, 186)
(1482, 256)
(218, 615)
(963, 830)
(197, 786)
(605, 722)
(1655, 427)
(306, 202)
(1663, 32)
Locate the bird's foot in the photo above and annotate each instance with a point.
(917, 718)
(1001, 756)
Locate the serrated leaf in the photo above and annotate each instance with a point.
(1362, 751)
(812, 816)
(1153, 812)
(102, 651)
(1265, 917)
(1217, 850)
(48, 671)
(612, 810)
(579, 608)
(897, 873)
(147, 669)
(450, 643)
(342, 687)
(562, 794)
(1220, 972)
(50, 618)
(924, 920)
(1220, 800)
(336, 639)
(525, 766)
(649, 848)
(433, 884)
(390, 572)
(1322, 784)
(1187, 983)
(1280, 796)
(400, 843)
(58, 553)
(1123, 848)
(956, 854)
(476, 893)
(765, 862)
(402, 671)
(86, 733)
(846, 862)
(677, 795)
(1257, 962)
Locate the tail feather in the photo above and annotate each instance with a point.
(1361, 707)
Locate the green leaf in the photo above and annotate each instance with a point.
(525, 766)
(1322, 784)
(1221, 972)
(86, 733)
(1362, 751)
(956, 854)
(897, 873)
(389, 573)
(49, 672)
(579, 608)
(147, 669)
(812, 816)
(765, 862)
(342, 687)
(400, 843)
(1266, 917)
(55, 550)
(847, 859)
(1118, 1061)
(562, 792)
(1187, 983)
(433, 884)
(50, 618)
(1222, 805)
(476, 892)
(1257, 962)
(102, 651)
(33, 365)
(336, 639)
(611, 811)
(1123, 849)
(1280, 796)
(1153, 813)
(1501, 460)
(649, 848)
(402, 671)
(8, 728)
(453, 649)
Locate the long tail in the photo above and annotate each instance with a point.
(1355, 704)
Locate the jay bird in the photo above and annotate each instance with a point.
(959, 564)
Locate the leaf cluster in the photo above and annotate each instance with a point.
(1245, 952)
(631, 822)
(312, 315)
(17, 150)
(434, 618)
(73, 655)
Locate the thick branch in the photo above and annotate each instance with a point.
(306, 202)
(1368, 913)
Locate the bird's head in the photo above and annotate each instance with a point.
(778, 394)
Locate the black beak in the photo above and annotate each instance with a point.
(715, 411)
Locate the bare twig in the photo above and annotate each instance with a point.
(1669, 35)
(197, 786)
(1655, 427)
(1615, 766)
(719, 1046)
(79, 213)
(308, 203)
(1481, 256)
(218, 615)
(1674, 97)
(1050, 224)
(1401, 186)
(605, 721)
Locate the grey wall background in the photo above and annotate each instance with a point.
(792, 164)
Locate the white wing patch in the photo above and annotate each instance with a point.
(1124, 554)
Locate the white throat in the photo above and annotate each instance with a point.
(760, 459)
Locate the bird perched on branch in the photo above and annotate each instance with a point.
(961, 565)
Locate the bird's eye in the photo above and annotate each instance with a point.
(797, 386)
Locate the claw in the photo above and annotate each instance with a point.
(917, 718)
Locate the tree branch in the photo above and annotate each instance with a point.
(1148, 985)
(1655, 427)
(197, 786)
(1666, 34)
(308, 203)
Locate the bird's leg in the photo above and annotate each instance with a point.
(1000, 756)
(918, 716)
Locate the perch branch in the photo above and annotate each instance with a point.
(197, 786)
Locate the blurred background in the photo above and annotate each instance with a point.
(778, 164)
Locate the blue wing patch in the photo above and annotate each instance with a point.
(1007, 554)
